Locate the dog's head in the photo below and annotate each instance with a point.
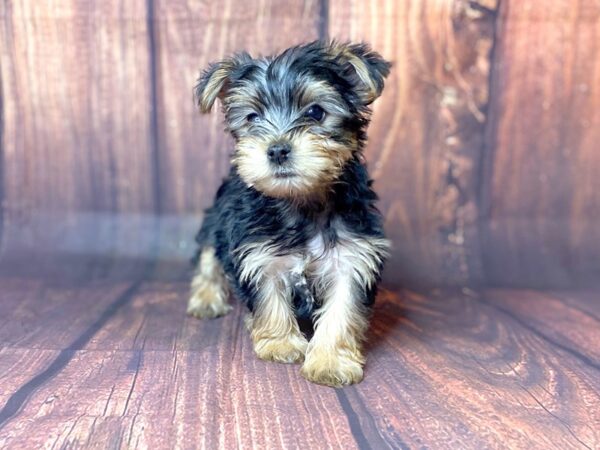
(298, 117)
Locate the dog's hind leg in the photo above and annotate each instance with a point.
(209, 291)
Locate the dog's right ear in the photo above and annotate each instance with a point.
(366, 69)
(215, 80)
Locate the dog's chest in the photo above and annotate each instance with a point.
(301, 278)
(310, 262)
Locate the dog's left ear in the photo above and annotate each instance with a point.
(215, 80)
(366, 69)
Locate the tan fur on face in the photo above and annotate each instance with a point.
(334, 356)
(317, 161)
(274, 329)
(209, 291)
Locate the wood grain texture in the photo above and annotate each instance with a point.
(105, 165)
(194, 149)
(586, 300)
(540, 203)
(76, 121)
(12, 362)
(105, 159)
(567, 322)
(30, 305)
(153, 378)
(426, 136)
(445, 370)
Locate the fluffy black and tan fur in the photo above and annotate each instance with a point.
(294, 230)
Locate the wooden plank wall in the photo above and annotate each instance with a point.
(77, 143)
(541, 184)
(426, 139)
(483, 147)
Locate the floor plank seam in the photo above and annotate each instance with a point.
(16, 401)
(353, 421)
(577, 308)
(577, 355)
(562, 421)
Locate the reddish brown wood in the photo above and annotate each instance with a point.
(151, 377)
(76, 120)
(12, 362)
(99, 135)
(567, 319)
(40, 315)
(426, 138)
(586, 300)
(105, 161)
(445, 370)
(541, 206)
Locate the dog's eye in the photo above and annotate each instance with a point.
(253, 118)
(315, 112)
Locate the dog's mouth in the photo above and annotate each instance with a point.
(284, 173)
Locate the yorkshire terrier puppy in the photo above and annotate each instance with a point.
(294, 230)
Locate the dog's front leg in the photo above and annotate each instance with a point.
(275, 332)
(346, 277)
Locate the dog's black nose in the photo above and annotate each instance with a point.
(279, 153)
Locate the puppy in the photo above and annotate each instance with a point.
(294, 230)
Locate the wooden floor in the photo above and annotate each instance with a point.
(117, 364)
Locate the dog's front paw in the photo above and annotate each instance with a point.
(205, 304)
(333, 368)
(287, 349)
(210, 311)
